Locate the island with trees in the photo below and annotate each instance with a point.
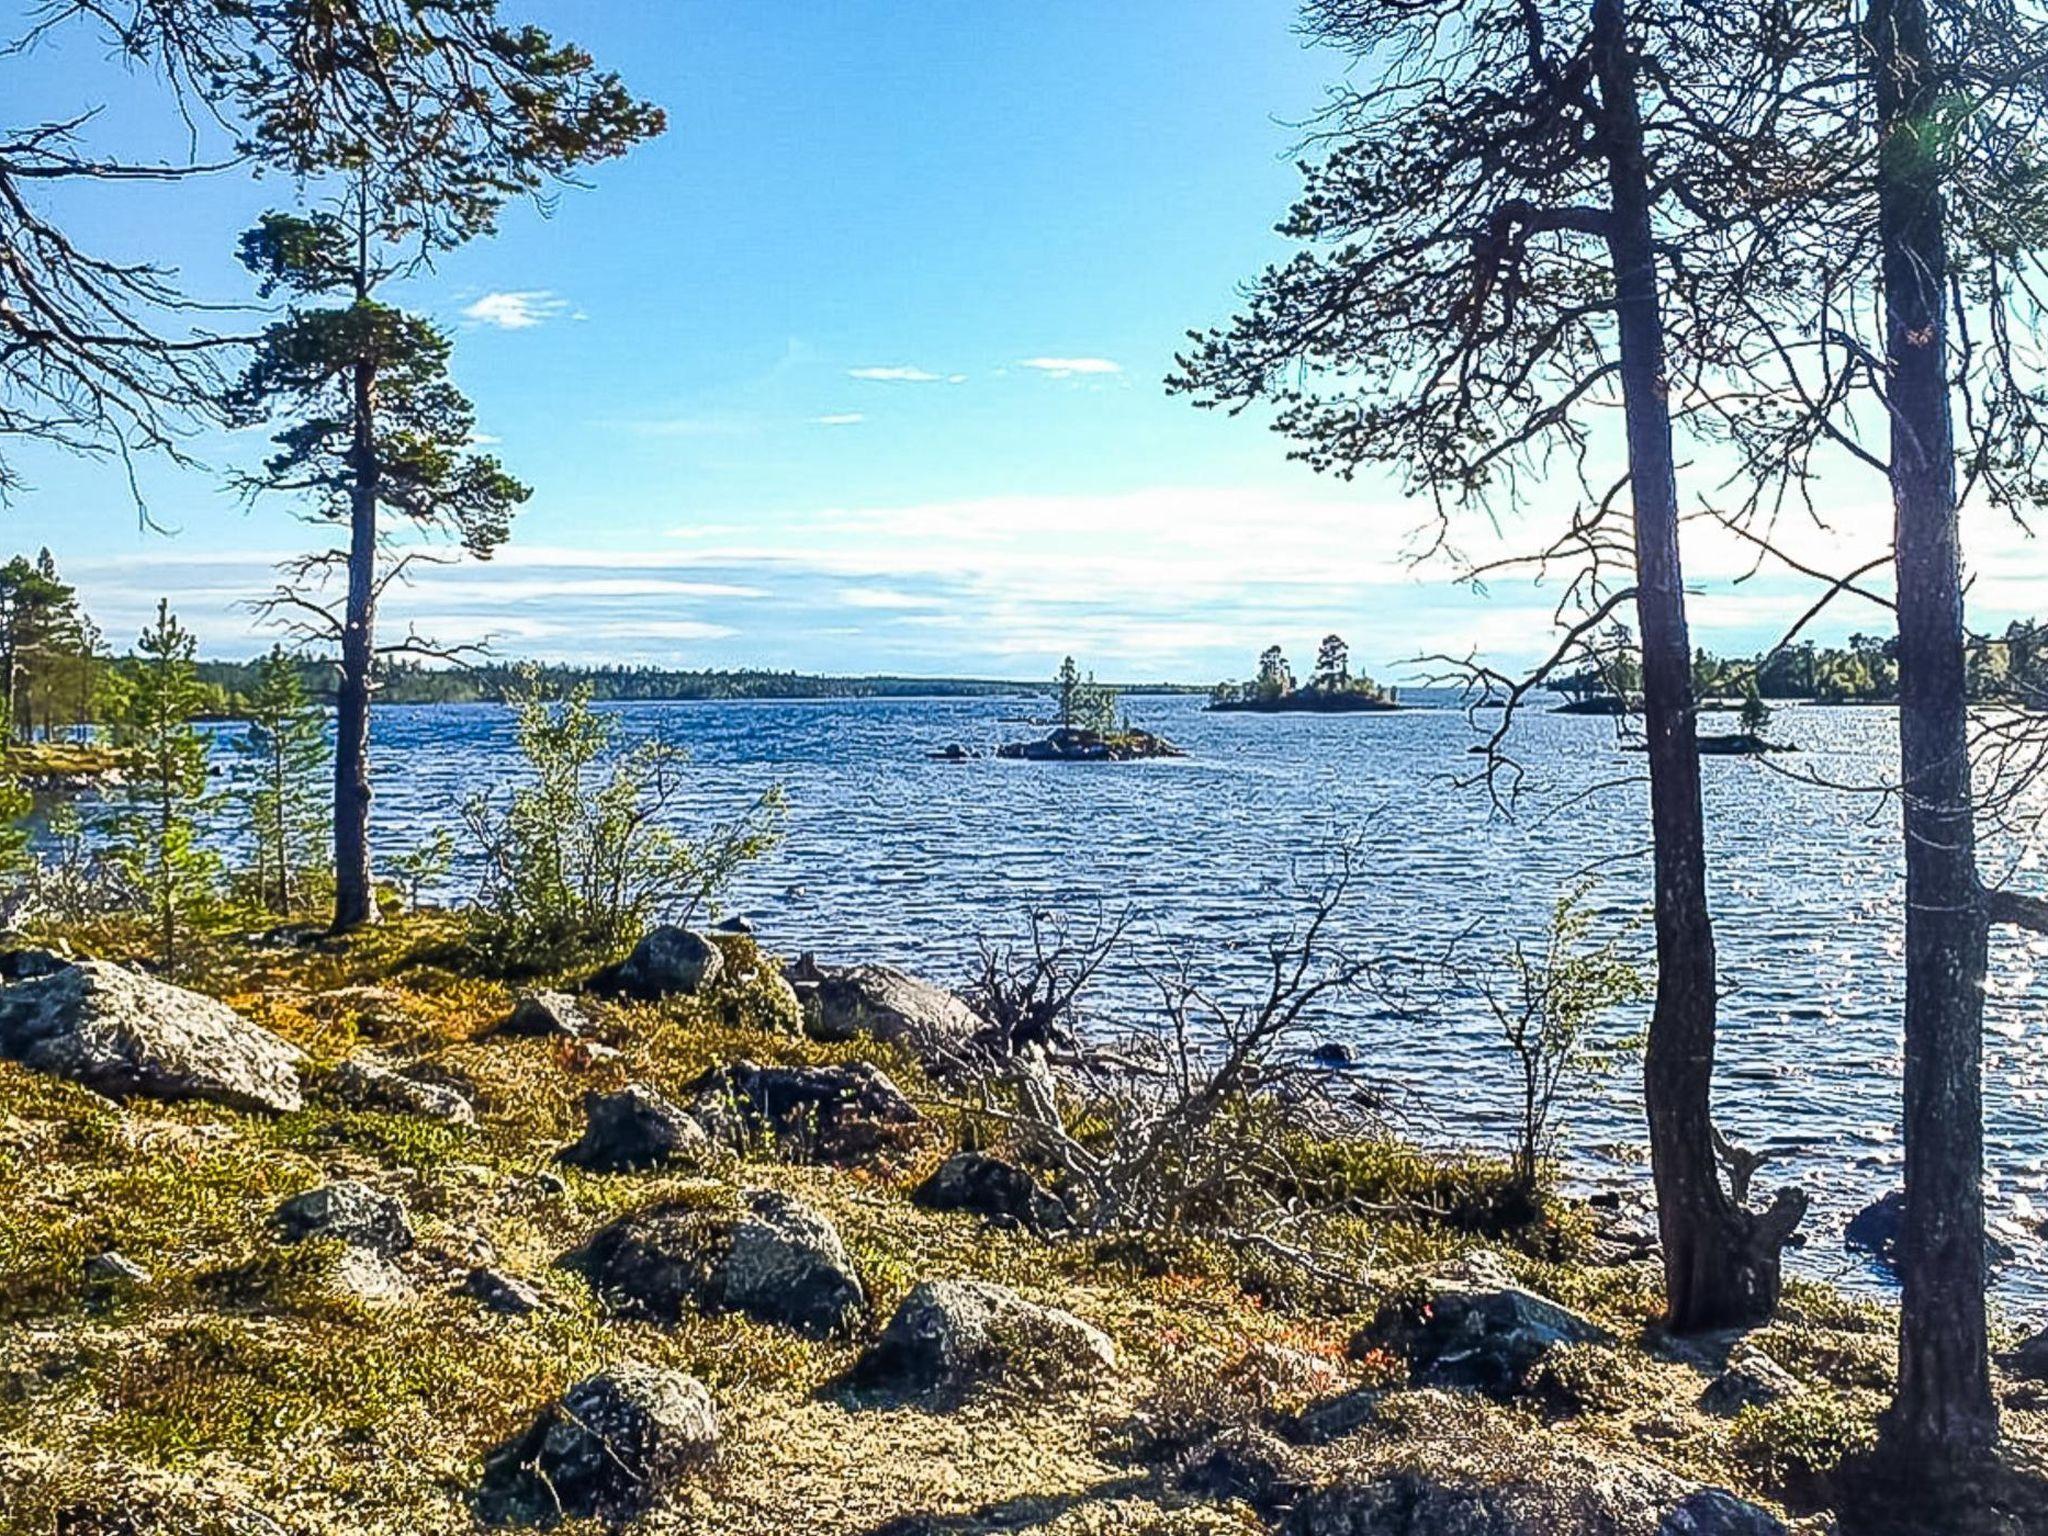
(1088, 731)
(1333, 689)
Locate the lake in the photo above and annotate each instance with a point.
(894, 858)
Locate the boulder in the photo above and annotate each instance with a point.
(1484, 1338)
(362, 1082)
(950, 1336)
(349, 1213)
(1410, 1504)
(668, 962)
(122, 1033)
(506, 1295)
(547, 1014)
(1874, 1230)
(632, 1129)
(774, 1259)
(991, 1187)
(1711, 1512)
(884, 1004)
(836, 1114)
(1752, 1380)
(610, 1449)
(1248, 1464)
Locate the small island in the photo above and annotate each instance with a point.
(1088, 729)
(1333, 690)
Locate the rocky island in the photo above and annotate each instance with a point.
(1088, 730)
(1333, 690)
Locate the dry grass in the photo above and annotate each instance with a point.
(246, 1376)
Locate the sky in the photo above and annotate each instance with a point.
(859, 369)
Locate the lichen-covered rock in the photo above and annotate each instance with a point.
(668, 962)
(349, 1213)
(547, 1014)
(365, 1083)
(989, 1186)
(122, 1033)
(885, 1004)
(773, 1258)
(950, 1336)
(1752, 1380)
(506, 1295)
(611, 1449)
(1478, 1338)
(634, 1129)
(835, 1114)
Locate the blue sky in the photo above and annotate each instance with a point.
(858, 368)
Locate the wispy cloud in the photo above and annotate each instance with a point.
(887, 597)
(839, 419)
(1070, 367)
(519, 310)
(897, 373)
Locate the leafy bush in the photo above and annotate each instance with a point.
(1798, 1443)
(584, 856)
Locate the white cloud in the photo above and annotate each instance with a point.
(1070, 367)
(839, 419)
(886, 597)
(519, 310)
(901, 373)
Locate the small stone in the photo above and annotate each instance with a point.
(112, 1268)
(614, 1447)
(737, 924)
(504, 1294)
(1334, 1053)
(635, 1129)
(350, 1213)
(949, 1336)
(1483, 1338)
(547, 1014)
(364, 1083)
(835, 1114)
(668, 962)
(989, 1186)
(1752, 1380)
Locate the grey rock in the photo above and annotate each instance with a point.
(1874, 1231)
(2027, 1360)
(1481, 1337)
(834, 1114)
(612, 1448)
(1752, 1380)
(738, 924)
(1248, 1464)
(632, 1129)
(885, 1004)
(506, 1295)
(989, 1186)
(365, 1083)
(1410, 1504)
(122, 1033)
(30, 961)
(950, 1336)
(546, 1014)
(774, 1259)
(114, 1268)
(1711, 1512)
(349, 1213)
(787, 1265)
(668, 962)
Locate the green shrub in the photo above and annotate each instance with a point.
(1796, 1444)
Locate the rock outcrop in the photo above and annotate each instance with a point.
(835, 1114)
(635, 1129)
(611, 1449)
(124, 1034)
(774, 1258)
(951, 1336)
(884, 1004)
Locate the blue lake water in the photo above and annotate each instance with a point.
(892, 857)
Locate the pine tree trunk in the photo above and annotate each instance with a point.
(1721, 1262)
(355, 900)
(1944, 1408)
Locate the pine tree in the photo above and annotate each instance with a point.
(286, 751)
(155, 832)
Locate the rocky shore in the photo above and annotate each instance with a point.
(355, 1241)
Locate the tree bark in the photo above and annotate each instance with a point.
(355, 899)
(1721, 1262)
(1943, 1410)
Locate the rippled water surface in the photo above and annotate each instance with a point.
(896, 858)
